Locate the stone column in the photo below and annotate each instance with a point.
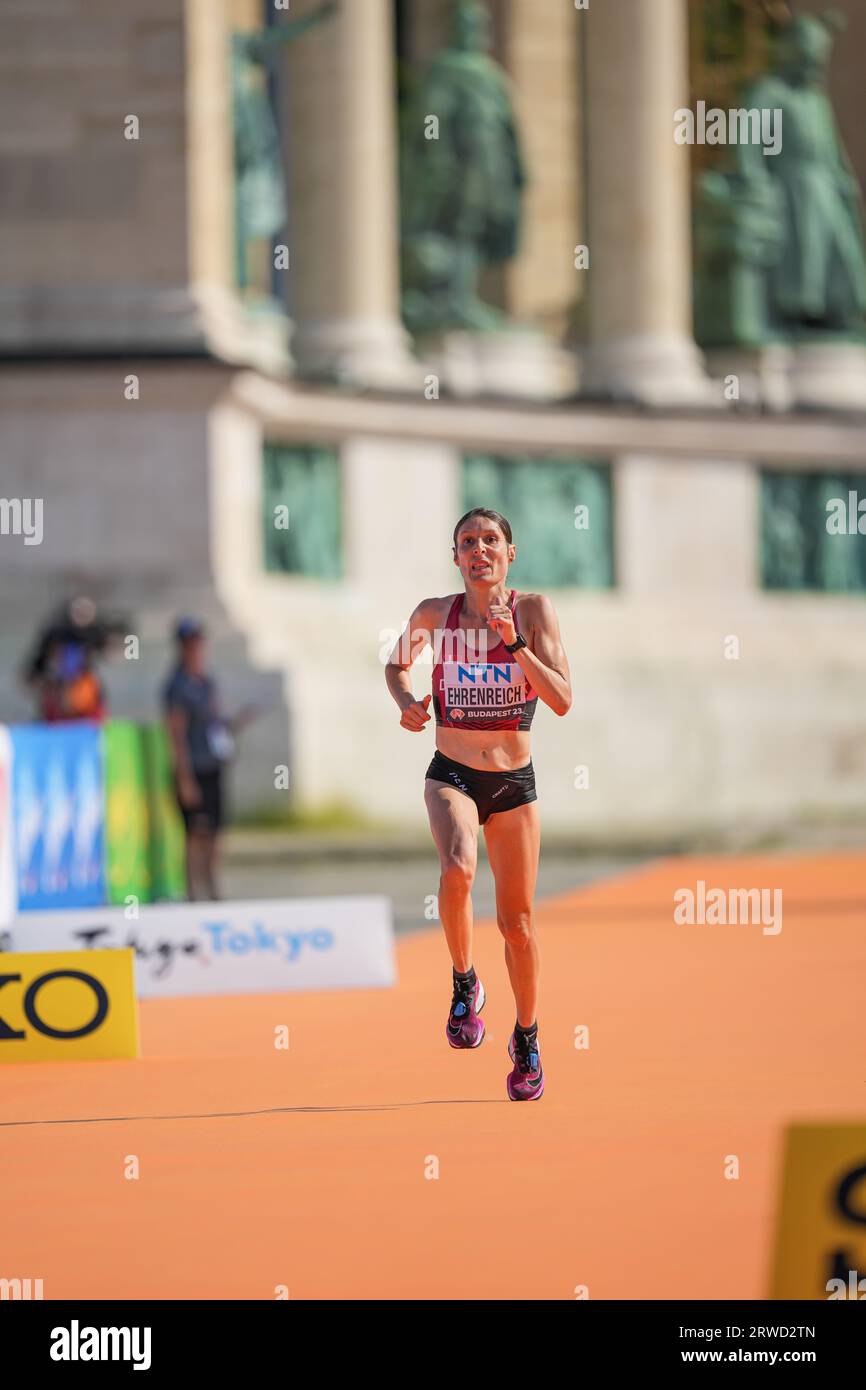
(640, 267)
(541, 55)
(339, 109)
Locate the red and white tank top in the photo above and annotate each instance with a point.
(475, 688)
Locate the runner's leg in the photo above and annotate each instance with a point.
(454, 824)
(513, 841)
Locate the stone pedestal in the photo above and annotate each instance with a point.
(829, 376)
(763, 376)
(817, 376)
(515, 364)
(654, 369)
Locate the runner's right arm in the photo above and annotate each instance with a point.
(416, 635)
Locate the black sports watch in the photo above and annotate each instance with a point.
(515, 646)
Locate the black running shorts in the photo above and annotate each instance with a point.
(491, 791)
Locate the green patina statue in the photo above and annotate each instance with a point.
(780, 250)
(462, 181)
(261, 205)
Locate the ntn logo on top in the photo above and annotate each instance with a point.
(484, 673)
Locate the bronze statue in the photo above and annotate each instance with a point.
(780, 242)
(462, 181)
(261, 205)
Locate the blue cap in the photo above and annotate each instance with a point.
(185, 628)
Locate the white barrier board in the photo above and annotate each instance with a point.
(230, 948)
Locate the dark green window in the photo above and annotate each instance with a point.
(539, 496)
(803, 545)
(301, 487)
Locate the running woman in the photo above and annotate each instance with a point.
(497, 652)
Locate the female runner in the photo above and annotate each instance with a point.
(497, 652)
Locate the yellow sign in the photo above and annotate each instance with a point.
(67, 1006)
(821, 1237)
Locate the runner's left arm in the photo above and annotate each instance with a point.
(545, 665)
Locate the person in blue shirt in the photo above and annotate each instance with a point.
(202, 743)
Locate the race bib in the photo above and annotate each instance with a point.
(494, 690)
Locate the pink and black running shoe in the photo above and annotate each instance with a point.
(526, 1082)
(464, 1027)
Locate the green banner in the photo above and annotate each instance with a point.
(127, 819)
(167, 856)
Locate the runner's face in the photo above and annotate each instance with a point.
(482, 553)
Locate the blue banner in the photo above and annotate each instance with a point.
(59, 815)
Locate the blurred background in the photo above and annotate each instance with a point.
(285, 289)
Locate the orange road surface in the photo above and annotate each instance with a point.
(311, 1168)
